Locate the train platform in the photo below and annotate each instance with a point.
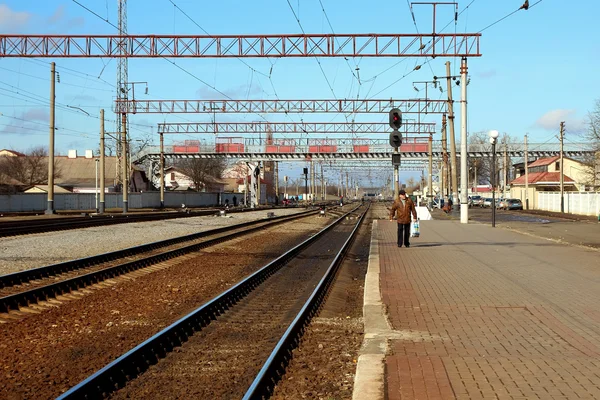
(475, 312)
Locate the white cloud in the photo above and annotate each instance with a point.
(552, 119)
(486, 74)
(36, 114)
(12, 20)
(58, 15)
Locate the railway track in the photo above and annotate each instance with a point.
(22, 292)
(26, 227)
(235, 345)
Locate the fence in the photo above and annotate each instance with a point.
(27, 202)
(582, 203)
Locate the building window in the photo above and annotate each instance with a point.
(557, 166)
(172, 176)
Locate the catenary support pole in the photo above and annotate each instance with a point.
(453, 162)
(445, 161)
(101, 206)
(430, 174)
(50, 209)
(124, 152)
(526, 175)
(162, 170)
(464, 171)
(562, 163)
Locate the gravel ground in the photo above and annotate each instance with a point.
(43, 355)
(24, 252)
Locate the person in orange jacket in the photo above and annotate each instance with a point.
(403, 207)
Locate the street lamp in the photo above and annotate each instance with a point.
(493, 136)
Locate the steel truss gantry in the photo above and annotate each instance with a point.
(242, 46)
(411, 106)
(292, 127)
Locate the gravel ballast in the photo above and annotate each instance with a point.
(30, 251)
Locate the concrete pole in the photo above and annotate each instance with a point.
(276, 177)
(526, 175)
(475, 178)
(162, 170)
(505, 170)
(445, 161)
(124, 160)
(430, 175)
(322, 183)
(347, 186)
(258, 184)
(246, 185)
(101, 206)
(96, 161)
(562, 175)
(464, 170)
(453, 162)
(50, 209)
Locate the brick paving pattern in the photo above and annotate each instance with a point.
(490, 314)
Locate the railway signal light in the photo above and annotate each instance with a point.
(395, 139)
(395, 118)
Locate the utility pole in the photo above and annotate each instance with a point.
(50, 209)
(122, 94)
(430, 176)
(464, 171)
(562, 175)
(276, 177)
(475, 177)
(445, 160)
(322, 183)
(452, 139)
(347, 186)
(101, 206)
(162, 171)
(526, 175)
(246, 198)
(505, 169)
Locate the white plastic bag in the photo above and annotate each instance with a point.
(415, 229)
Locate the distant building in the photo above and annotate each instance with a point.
(544, 176)
(44, 189)
(176, 179)
(10, 153)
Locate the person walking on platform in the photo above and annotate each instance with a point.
(403, 207)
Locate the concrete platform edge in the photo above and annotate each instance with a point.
(369, 382)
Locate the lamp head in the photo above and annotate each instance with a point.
(494, 134)
(492, 140)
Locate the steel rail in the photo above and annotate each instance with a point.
(274, 367)
(15, 228)
(137, 360)
(33, 296)
(21, 277)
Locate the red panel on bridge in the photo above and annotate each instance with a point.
(322, 149)
(229, 148)
(275, 148)
(415, 147)
(361, 148)
(186, 149)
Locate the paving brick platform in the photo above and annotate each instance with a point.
(483, 313)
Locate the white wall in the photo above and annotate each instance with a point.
(581, 203)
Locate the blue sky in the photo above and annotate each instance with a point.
(539, 66)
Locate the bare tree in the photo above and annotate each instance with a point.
(199, 169)
(480, 141)
(32, 169)
(592, 136)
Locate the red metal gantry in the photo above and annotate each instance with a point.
(204, 46)
(412, 106)
(292, 127)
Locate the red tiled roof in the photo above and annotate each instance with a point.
(541, 178)
(544, 161)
